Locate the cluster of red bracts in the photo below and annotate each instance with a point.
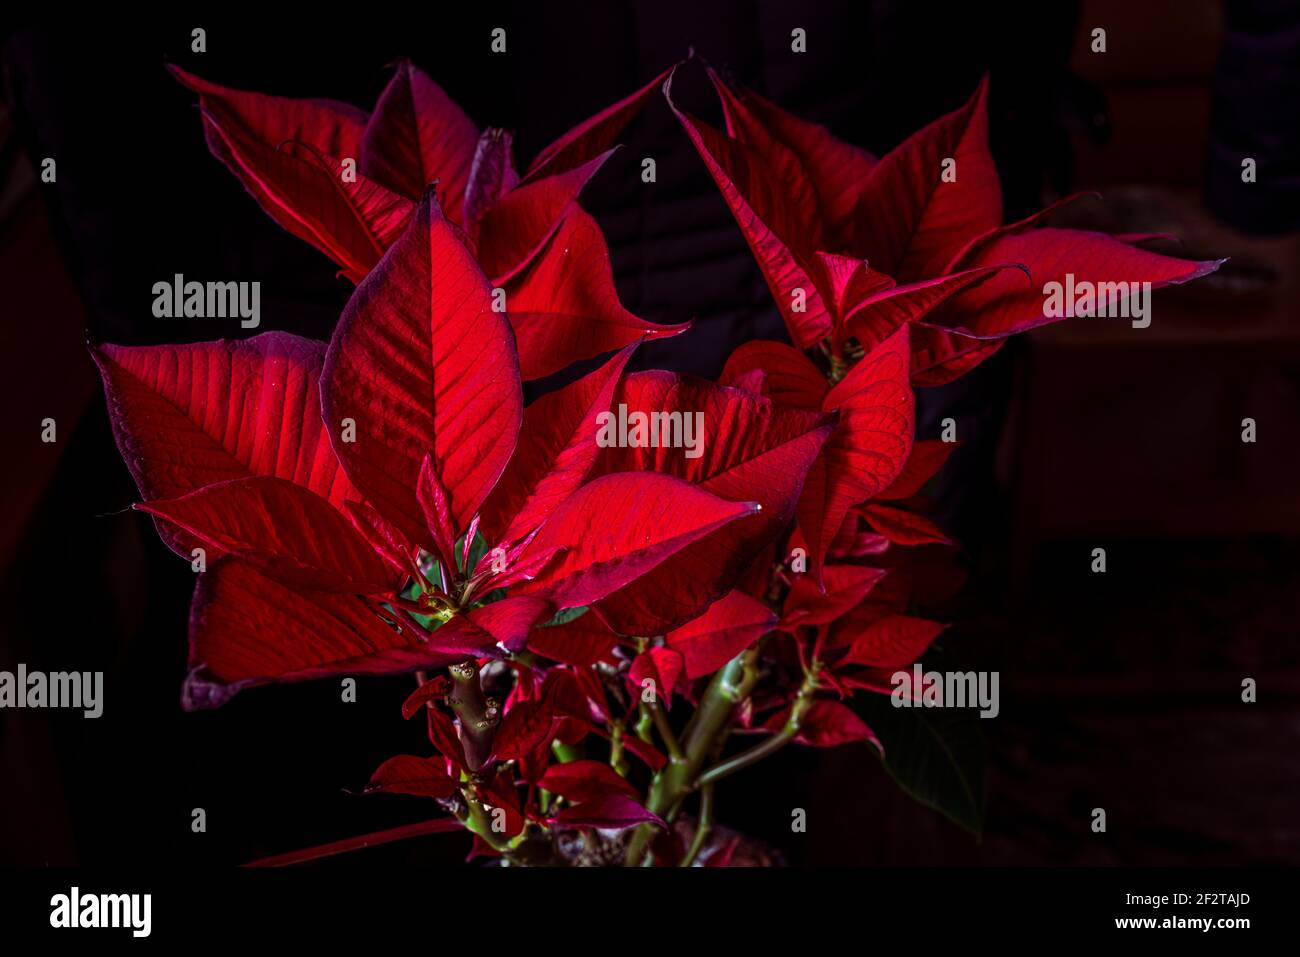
(386, 503)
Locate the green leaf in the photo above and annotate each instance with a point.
(565, 615)
(935, 754)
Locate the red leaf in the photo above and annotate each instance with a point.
(867, 450)
(584, 780)
(288, 532)
(557, 447)
(564, 306)
(1006, 304)
(581, 642)
(500, 794)
(613, 811)
(927, 458)
(846, 586)
(755, 450)
(939, 357)
(646, 752)
(417, 134)
(287, 154)
(833, 170)
(407, 774)
(827, 724)
(872, 319)
(894, 641)
(791, 378)
(421, 362)
(728, 627)
(618, 527)
(509, 620)
(910, 221)
(527, 726)
(246, 629)
(903, 527)
(773, 223)
(435, 689)
(662, 667)
(594, 135)
(186, 416)
(515, 228)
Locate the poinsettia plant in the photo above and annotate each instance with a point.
(599, 630)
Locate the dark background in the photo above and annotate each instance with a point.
(1119, 691)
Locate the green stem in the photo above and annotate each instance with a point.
(703, 826)
(564, 753)
(730, 685)
(660, 717)
(617, 750)
(802, 702)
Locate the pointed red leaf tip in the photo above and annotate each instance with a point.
(187, 416)
(556, 450)
(247, 629)
(289, 154)
(593, 135)
(814, 165)
(564, 307)
(658, 669)
(407, 774)
(418, 135)
(868, 448)
(289, 533)
(612, 811)
(846, 586)
(420, 361)
(514, 229)
(618, 527)
(435, 689)
(903, 527)
(776, 228)
(728, 627)
(1006, 304)
(752, 450)
(917, 208)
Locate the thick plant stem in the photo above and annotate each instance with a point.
(730, 686)
(478, 715)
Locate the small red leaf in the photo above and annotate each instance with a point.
(583, 780)
(894, 641)
(613, 811)
(728, 627)
(407, 774)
